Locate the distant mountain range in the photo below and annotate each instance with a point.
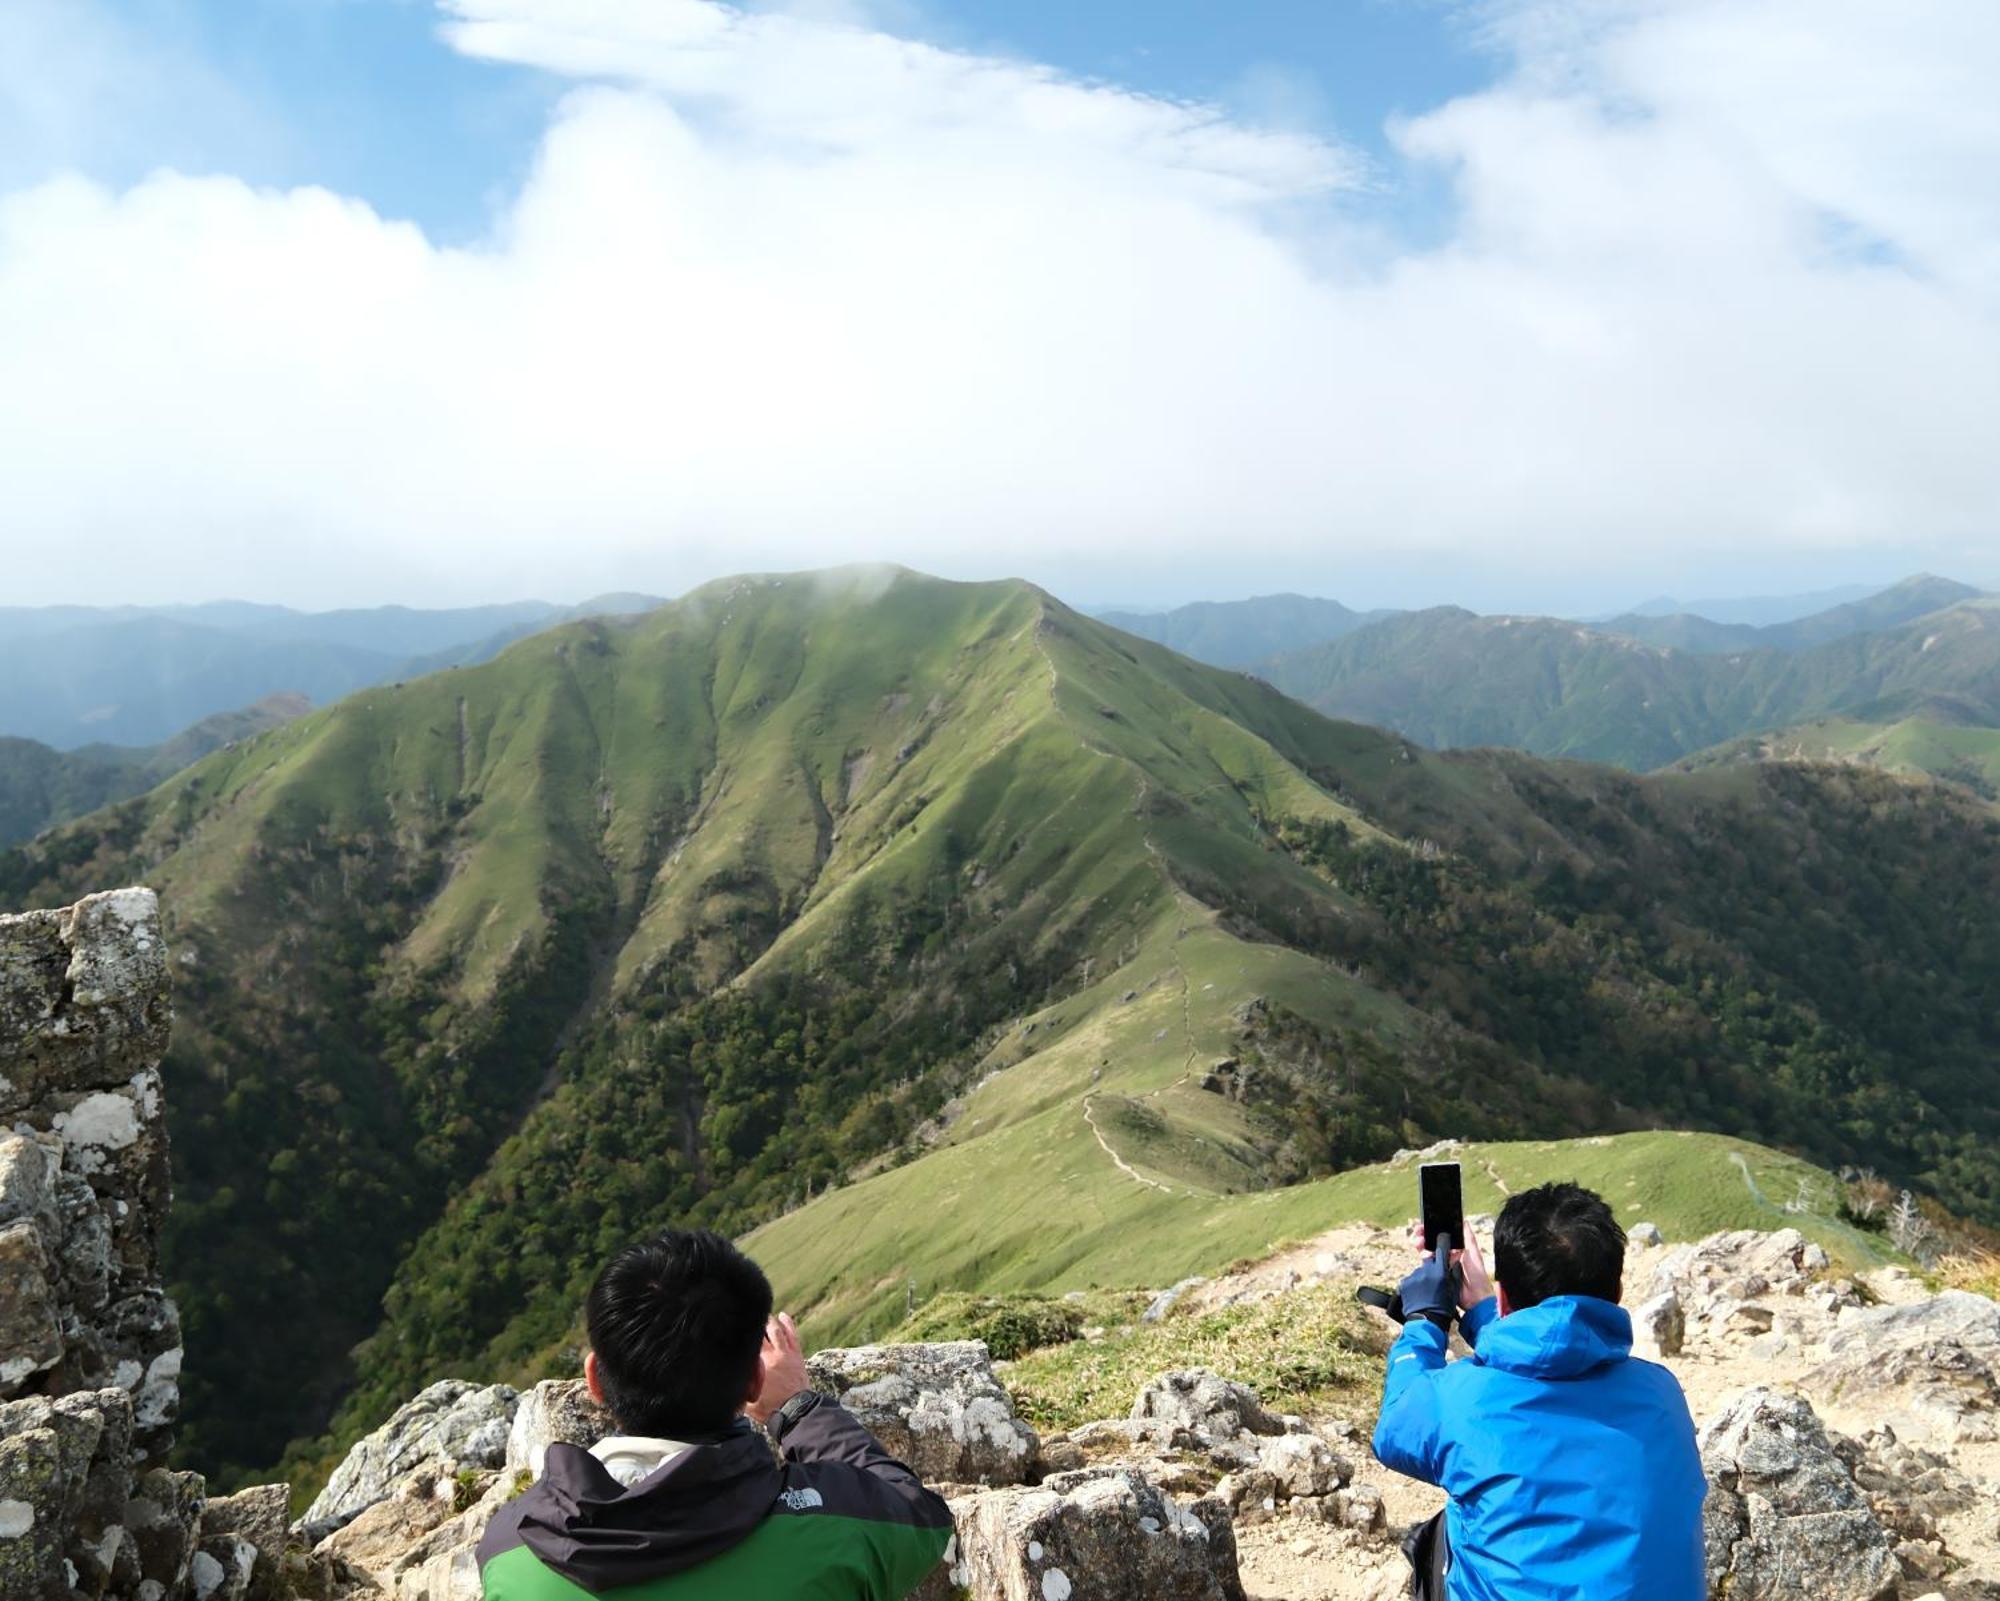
(41, 786)
(1897, 668)
(1240, 633)
(702, 914)
(1451, 679)
(131, 676)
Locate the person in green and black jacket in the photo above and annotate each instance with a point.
(688, 1502)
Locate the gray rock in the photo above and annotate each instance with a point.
(938, 1407)
(451, 1422)
(1168, 1299)
(83, 1159)
(30, 1337)
(1785, 1520)
(555, 1409)
(1106, 1534)
(83, 996)
(258, 1517)
(164, 1516)
(1211, 1408)
(1659, 1326)
(1934, 1363)
(1646, 1236)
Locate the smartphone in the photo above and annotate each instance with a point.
(1442, 1203)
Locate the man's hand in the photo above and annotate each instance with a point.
(1475, 1284)
(781, 1370)
(1432, 1290)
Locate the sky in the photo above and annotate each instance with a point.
(1522, 304)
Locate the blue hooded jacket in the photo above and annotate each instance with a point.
(1571, 1464)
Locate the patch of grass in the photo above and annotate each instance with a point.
(1011, 1325)
(1313, 1351)
(1975, 1270)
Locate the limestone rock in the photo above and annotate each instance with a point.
(938, 1407)
(83, 996)
(1935, 1362)
(450, 1423)
(554, 1410)
(1105, 1534)
(422, 1542)
(1785, 1520)
(83, 1159)
(1209, 1407)
(1168, 1299)
(1659, 1326)
(1645, 1236)
(1738, 1266)
(258, 1517)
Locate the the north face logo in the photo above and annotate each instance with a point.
(802, 1500)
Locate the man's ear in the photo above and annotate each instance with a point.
(757, 1376)
(593, 1379)
(1618, 1293)
(1500, 1293)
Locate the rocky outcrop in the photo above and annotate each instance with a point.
(1105, 1533)
(1785, 1520)
(1933, 1365)
(89, 1342)
(940, 1408)
(449, 1426)
(84, 1014)
(554, 1410)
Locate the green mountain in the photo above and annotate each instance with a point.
(40, 786)
(1239, 633)
(705, 913)
(1448, 679)
(1900, 603)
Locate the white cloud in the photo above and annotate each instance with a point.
(789, 291)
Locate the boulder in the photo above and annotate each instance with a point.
(1168, 1299)
(1208, 1407)
(1645, 1236)
(258, 1517)
(554, 1410)
(1659, 1326)
(1785, 1520)
(1102, 1533)
(938, 1407)
(1934, 1364)
(449, 1425)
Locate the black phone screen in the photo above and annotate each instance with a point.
(1442, 1202)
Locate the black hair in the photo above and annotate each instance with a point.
(1558, 1239)
(677, 1323)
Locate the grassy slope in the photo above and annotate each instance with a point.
(1956, 753)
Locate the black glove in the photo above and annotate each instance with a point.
(1431, 1291)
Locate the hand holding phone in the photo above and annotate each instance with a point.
(1441, 1196)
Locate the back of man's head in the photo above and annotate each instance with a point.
(1558, 1239)
(677, 1324)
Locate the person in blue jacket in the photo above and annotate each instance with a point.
(1571, 1464)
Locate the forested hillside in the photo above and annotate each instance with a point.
(697, 914)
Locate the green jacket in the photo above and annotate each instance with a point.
(839, 1519)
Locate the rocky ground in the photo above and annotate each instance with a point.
(1851, 1430)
